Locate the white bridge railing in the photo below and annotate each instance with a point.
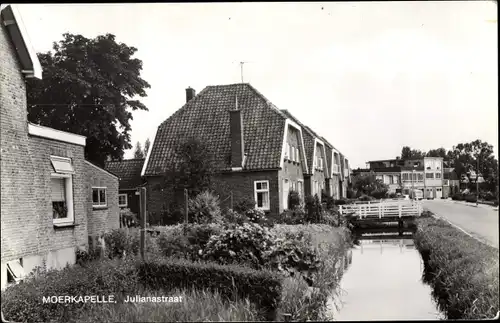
(381, 209)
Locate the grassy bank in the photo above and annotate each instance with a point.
(463, 272)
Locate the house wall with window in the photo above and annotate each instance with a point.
(261, 186)
(391, 179)
(433, 168)
(102, 200)
(317, 180)
(42, 197)
(291, 175)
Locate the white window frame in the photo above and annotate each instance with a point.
(256, 191)
(126, 200)
(100, 206)
(301, 189)
(297, 155)
(68, 195)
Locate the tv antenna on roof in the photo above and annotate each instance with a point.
(241, 68)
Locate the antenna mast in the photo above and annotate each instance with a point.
(241, 68)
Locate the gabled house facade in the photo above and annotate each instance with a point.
(129, 174)
(260, 152)
(47, 186)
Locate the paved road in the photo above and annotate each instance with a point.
(480, 222)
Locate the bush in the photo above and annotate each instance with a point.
(379, 193)
(262, 287)
(204, 208)
(24, 302)
(244, 244)
(293, 200)
(255, 215)
(120, 243)
(313, 209)
(471, 198)
(462, 271)
(128, 218)
(186, 243)
(233, 217)
(392, 195)
(296, 216)
(365, 198)
(244, 205)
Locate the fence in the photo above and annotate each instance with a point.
(381, 209)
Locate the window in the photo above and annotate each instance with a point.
(122, 200)
(438, 175)
(99, 197)
(297, 155)
(61, 190)
(420, 177)
(395, 179)
(287, 148)
(300, 188)
(429, 175)
(379, 177)
(414, 177)
(261, 190)
(15, 271)
(406, 177)
(390, 179)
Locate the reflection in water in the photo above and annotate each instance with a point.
(384, 283)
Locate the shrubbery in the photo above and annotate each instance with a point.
(462, 271)
(261, 286)
(204, 208)
(24, 301)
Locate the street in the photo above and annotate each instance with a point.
(480, 222)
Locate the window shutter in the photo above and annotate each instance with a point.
(57, 189)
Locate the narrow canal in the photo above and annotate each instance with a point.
(383, 281)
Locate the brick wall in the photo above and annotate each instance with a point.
(50, 238)
(26, 221)
(240, 183)
(18, 198)
(242, 186)
(101, 220)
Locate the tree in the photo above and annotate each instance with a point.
(138, 153)
(146, 146)
(88, 87)
(369, 185)
(440, 152)
(408, 153)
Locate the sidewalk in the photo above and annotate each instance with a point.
(482, 206)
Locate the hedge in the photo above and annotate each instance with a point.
(262, 287)
(462, 271)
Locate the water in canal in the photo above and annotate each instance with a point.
(384, 282)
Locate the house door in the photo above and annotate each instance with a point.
(286, 190)
(439, 193)
(430, 193)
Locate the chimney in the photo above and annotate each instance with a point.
(236, 136)
(190, 93)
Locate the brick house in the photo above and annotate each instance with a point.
(46, 184)
(129, 174)
(260, 152)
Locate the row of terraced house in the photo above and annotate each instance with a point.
(262, 152)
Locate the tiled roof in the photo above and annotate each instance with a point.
(206, 116)
(128, 172)
(308, 140)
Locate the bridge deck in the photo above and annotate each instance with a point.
(383, 210)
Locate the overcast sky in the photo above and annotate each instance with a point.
(370, 77)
